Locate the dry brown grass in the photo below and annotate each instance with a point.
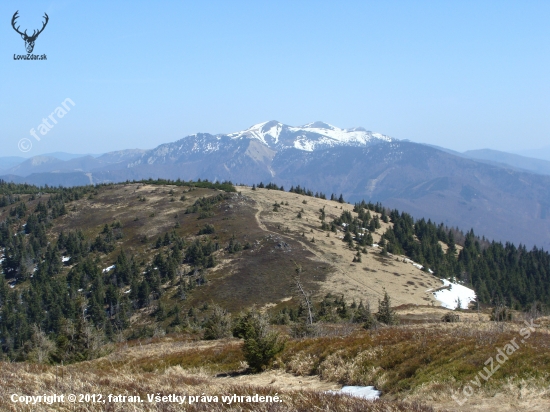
(194, 356)
(419, 364)
(33, 380)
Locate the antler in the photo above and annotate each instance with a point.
(43, 25)
(15, 17)
(34, 33)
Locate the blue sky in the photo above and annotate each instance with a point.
(463, 75)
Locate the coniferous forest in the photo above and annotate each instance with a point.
(56, 287)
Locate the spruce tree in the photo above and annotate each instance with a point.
(385, 313)
(365, 316)
(261, 343)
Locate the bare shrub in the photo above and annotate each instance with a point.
(218, 325)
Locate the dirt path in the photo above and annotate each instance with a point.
(319, 255)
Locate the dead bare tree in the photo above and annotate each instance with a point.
(306, 296)
(304, 327)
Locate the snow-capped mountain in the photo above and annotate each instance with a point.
(317, 135)
(271, 136)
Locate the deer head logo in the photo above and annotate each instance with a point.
(29, 40)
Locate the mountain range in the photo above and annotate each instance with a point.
(505, 197)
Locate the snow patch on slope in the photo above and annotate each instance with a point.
(365, 392)
(449, 296)
(304, 144)
(262, 131)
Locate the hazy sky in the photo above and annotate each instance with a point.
(459, 74)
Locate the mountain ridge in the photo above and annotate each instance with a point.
(505, 202)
